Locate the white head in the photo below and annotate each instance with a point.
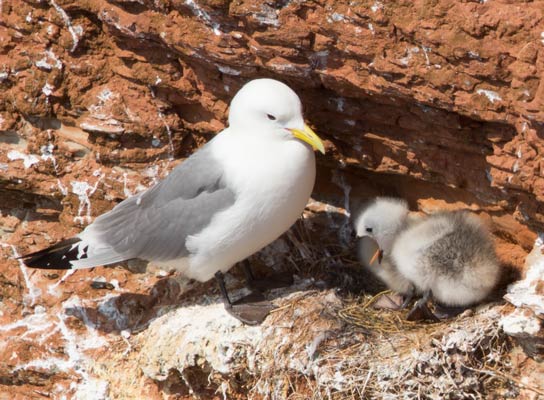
(269, 107)
(382, 220)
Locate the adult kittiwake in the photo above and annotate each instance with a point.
(228, 200)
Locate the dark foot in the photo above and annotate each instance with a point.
(251, 310)
(407, 298)
(421, 311)
(445, 312)
(274, 281)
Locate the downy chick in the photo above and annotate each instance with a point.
(449, 255)
(381, 221)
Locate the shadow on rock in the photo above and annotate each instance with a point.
(134, 311)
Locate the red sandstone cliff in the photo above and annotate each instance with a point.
(437, 101)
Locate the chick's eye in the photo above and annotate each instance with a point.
(369, 230)
(271, 117)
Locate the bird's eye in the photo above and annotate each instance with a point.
(369, 230)
(271, 117)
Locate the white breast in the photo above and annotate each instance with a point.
(273, 183)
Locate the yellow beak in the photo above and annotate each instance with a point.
(309, 136)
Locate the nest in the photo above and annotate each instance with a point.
(377, 353)
(363, 314)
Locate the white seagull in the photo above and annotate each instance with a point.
(447, 255)
(228, 200)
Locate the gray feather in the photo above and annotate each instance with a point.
(464, 245)
(155, 224)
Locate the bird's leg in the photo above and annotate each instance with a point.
(408, 297)
(224, 294)
(251, 309)
(273, 282)
(421, 310)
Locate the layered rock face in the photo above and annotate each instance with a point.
(445, 97)
(440, 102)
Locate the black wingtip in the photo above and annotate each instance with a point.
(57, 256)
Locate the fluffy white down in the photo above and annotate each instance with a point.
(410, 245)
(385, 216)
(409, 253)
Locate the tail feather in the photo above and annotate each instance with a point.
(58, 256)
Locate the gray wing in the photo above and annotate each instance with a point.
(155, 224)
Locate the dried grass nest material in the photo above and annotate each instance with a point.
(362, 314)
(465, 357)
